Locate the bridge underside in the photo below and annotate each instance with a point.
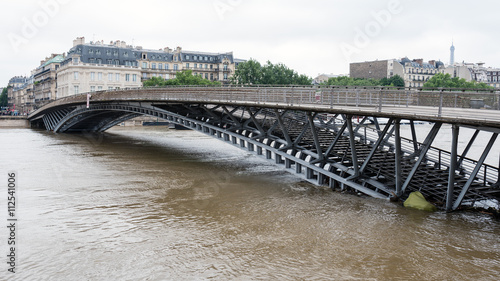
(325, 149)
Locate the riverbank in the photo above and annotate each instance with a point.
(14, 122)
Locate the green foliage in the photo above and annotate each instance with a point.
(249, 72)
(348, 81)
(395, 81)
(182, 78)
(3, 98)
(442, 80)
(253, 73)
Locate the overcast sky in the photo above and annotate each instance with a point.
(311, 37)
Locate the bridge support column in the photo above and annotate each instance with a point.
(353, 146)
(298, 168)
(453, 167)
(398, 158)
(278, 159)
(269, 154)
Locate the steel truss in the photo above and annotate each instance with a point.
(323, 149)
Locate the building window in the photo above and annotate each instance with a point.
(127, 77)
(91, 61)
(167, 66)
(153, 66)
(134, 77)
(195, 65)
(206, 66)
(99, 76)
(99, 61)
(176, 67)
(99, 88)
(75, 75)
(115, 53)
(92, 88)
(92, 76)
(75, 61)
(117, 76)
(187, 57)
(110, 88)
(144, 65)
(211, 76)
(187, 65)
(167, 76)
(211, 66)
(110, 76)
(145, 75)
(160, 66)
(117, 62)
(206, 75)
(225, 76)
(76, 90)
(225, 67)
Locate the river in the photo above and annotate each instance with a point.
(159, 204)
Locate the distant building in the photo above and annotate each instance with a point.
(371, 69)
(19, 94)
(96, 66)
(475, 72)
(414, 72)
(45, 79)
(322, 78)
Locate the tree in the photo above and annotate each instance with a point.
(253, 73)
(3, 98)
(182, 78)
(397, 81)
(442, 80)
(249, 72)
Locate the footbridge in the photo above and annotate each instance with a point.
(346, 138)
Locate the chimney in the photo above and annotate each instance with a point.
(419, 61)
(78, 41)
(432, 62)
(167, 50)
(178, 50)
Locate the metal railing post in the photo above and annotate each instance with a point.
(380, 100)
(498, 100)
(440, 110)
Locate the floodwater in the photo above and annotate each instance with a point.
(157, 204)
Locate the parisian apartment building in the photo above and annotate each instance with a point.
(414, 72)
(96, 66)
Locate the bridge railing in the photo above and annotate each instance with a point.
(439, 103)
